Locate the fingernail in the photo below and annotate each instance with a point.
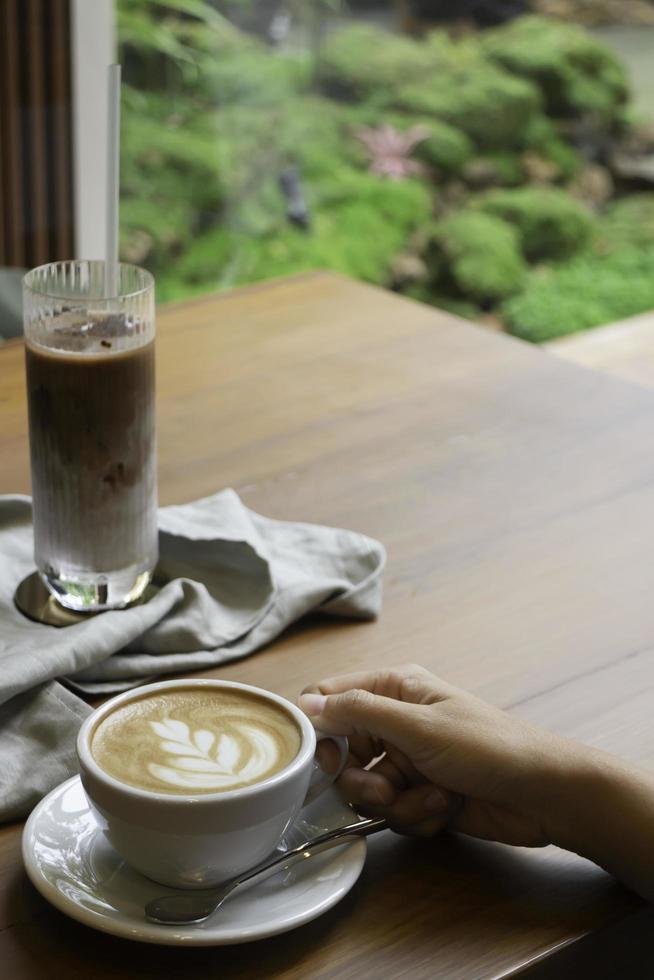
(312, 704)
(436, 802)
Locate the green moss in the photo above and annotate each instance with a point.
(550, 222)
(449, 81)
(172, 288)
(576, 73)
(359, 225)
(627, 222)
(317, 134)
(460, 307)
(568, 161)
(477, 254)
(587, 292)
(446, 148)
(487, 104)
(363, 60)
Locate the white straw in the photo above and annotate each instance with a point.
(113, 180)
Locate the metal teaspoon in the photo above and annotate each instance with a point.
(186, 908)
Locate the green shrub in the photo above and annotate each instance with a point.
(489, 105)
(551, 223)
(587, 292)
(478, 255)
(628, 221)
(170, 226)
(576, 73)
(191, 52)
(256, 76)
(224, 166)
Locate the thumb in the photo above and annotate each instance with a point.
(358, 712)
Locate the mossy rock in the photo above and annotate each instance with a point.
(364, 60)
(542, 137)
(551, 224)
(476, 255)
(494, 170)
(486, 103)
(438, 78)
(587, 292)
(627, 222)
(576, 73)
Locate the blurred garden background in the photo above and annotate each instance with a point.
(489, 157)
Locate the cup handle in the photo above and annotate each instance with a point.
(321, 780)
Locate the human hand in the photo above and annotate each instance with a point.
(447, 758)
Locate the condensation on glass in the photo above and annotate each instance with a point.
(90, 386)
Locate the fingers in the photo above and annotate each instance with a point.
(411, 683)
(420, 810)
(360, 713)
(365, 748)
(397, 768)
(366, 789)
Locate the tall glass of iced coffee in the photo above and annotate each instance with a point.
(90, 387)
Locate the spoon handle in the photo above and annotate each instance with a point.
(360, 828)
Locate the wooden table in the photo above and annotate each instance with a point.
(515, 495)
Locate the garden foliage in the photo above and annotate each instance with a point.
(216, 124)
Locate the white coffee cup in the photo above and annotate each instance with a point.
(188, 841)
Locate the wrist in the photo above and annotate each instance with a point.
(564, 780)
(580, 783)
(595, 804)
(602, 808)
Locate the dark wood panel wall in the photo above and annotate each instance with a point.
(36, 158)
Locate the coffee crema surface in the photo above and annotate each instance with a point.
(189, 741)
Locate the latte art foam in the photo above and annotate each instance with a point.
(187, 741)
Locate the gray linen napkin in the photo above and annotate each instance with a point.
(233, 581)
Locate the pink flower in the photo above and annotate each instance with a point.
(390, 150)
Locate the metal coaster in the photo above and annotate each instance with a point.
(33, 600)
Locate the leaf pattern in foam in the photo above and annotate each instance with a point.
(204, 740)
(227, 753)
(193, 765)
(176, 731)
(190, 780)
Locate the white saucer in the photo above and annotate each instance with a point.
(71, 863)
